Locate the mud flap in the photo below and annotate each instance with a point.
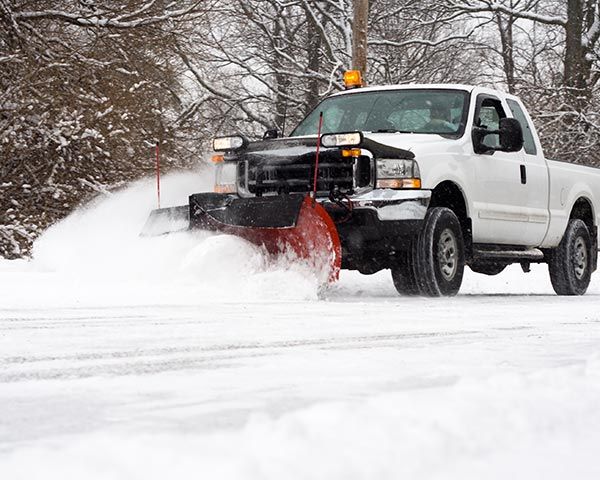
(282, 224)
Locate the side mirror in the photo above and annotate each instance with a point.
(271, 133)
(510, 136)
(478, 135)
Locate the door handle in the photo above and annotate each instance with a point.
(523, 174)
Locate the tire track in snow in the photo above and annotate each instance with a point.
(153, 361)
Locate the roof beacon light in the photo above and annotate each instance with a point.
(352, 79)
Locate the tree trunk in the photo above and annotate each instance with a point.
(506, 39)
(359, 36)
(577, 66)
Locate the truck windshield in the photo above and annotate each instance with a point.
(441, 112)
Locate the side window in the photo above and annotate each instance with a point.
(488, 116)
(528, 141)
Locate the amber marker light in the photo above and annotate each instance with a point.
(351, 152)
(399, 183)
(352, 79)
(226, 188)
(217, 158)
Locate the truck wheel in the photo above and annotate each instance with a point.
(439, 254)
(403, 275)
(570, 264)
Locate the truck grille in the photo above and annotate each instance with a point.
(258, 178)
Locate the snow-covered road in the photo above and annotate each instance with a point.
(189, 357)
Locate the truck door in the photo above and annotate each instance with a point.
(535, 179)
(501, 198)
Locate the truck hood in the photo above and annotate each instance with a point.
(390, 145)
(415, 143)
(302, 149)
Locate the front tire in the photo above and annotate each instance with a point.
(570, 264)
(439, 254)
(403, 275)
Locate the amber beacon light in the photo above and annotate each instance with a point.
(353, 79)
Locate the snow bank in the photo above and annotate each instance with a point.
(97, 257)
(540, 425)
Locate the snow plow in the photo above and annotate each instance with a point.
(294, 225)
(308, 197)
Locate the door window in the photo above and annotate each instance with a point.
(488, 116)
(528, 141)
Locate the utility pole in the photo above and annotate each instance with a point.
(359, 36)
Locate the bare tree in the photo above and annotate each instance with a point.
(420, 41)
(270, 61)
(83, 87)
(550, 57)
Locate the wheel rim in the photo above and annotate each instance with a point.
(580, 259)
(447, 254)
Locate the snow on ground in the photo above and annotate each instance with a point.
(193, 356)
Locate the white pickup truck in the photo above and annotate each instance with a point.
(425, 179)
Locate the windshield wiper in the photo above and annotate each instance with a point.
(392, 130)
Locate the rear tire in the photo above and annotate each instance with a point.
(403, 275)
(439, 254)
(570, 264)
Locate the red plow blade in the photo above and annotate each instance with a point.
(282, 224)
(314, 239)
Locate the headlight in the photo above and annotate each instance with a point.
(397, 173)
(350, 139)
(226, 177)
(222, 144)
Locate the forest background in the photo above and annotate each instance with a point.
(89, 87)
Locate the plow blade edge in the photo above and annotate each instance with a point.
(166, 220)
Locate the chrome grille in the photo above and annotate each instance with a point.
(257, 178)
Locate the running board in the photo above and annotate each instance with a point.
(531, 255)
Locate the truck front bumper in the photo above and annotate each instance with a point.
(379, 227)
(394, 205)
(375, 228)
